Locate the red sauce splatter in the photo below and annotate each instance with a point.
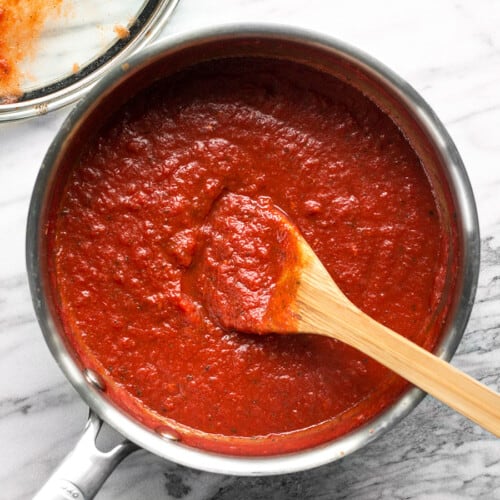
(121, 31)
(131, 221)
(21, 24)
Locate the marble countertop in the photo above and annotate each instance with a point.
(450, 52)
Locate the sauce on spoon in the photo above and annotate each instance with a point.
(245, 251)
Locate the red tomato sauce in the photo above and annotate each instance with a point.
(245, 249)
(134, 211)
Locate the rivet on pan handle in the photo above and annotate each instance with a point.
(85, 468)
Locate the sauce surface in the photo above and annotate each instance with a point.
(130, 227)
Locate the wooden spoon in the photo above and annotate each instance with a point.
(305, 299)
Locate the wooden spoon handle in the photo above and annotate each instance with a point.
(435, 376)
(326, 310)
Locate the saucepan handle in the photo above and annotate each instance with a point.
(85, 468)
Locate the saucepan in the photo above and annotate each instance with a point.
(86, 468)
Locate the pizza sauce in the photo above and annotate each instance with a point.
(247, 254)
(128, 247)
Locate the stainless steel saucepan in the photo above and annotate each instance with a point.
(86, 468)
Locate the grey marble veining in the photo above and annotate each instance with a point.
(450, 52)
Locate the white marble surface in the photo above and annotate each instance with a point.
(450, 52)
